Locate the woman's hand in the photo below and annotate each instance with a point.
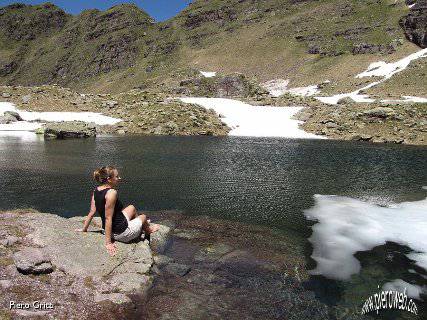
(111, 248)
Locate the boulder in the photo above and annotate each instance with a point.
(32, 260)
(13, 114)
(73, 129)
(160, 240)
(415, 24)
(7, 118)
(380, 112)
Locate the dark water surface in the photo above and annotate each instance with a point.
(267, 181)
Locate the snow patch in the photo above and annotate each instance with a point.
(276, 87)
(38, 117)
(408, 99)
(387, 70)
(208, 74)
(20, 126)
(346, 226)
(412, 291)
(305, 91)
(279, 87)
(376, 69)
(255, 121)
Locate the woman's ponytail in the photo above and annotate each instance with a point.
(102, 175)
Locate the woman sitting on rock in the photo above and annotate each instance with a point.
(120, 224)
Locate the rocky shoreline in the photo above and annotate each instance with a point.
(153, 113)
(194, 268)
(382, 123)
(141, 111)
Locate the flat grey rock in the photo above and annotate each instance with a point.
(129, 282)
(32, 260)
(83, 254)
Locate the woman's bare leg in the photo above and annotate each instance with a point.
(130, 212)
(148, 228)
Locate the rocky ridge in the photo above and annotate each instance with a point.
(123, 48)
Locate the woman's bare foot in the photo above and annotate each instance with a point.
(153, 228)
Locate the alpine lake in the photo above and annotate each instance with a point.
(250, 182)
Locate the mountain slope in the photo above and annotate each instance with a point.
(307, 42)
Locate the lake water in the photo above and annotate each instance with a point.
(255, 180)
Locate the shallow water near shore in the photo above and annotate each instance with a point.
(251, 180)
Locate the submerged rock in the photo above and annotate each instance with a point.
(160, 240)
(177, 269)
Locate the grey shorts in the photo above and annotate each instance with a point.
(132, 232)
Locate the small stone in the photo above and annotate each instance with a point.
(26, 98)
(6, 95)
(5, 284)
(117, 298)
(9, 241)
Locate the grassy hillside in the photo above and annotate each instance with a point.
(307, 42)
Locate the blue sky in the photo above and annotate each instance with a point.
(159, 9)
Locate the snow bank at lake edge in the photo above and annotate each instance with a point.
(255, 121)
(39, 117)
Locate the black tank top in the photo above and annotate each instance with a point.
(119, 220)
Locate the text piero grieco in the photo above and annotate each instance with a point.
(389, 300)
(35, 305)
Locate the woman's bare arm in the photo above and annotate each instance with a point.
(89, 215)
(111, 198)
